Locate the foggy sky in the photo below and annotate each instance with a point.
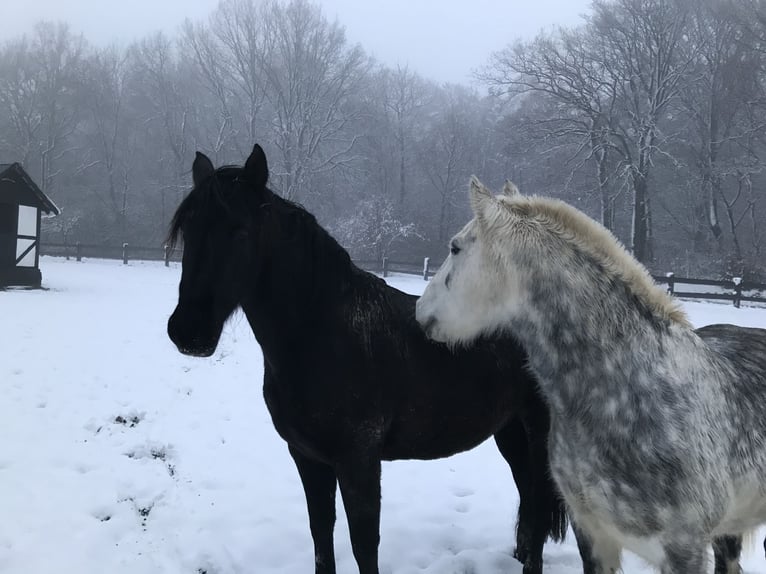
(441, 39)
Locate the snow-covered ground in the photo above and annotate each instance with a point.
(119, 455)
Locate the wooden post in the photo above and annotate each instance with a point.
(385, 267)
(737, 291)
(78, 247)
(167, 255)
(39, 243)
(425, 268)
(124, 253)
(671, 282)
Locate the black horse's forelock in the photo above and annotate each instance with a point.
(176, 222)
(200, 197)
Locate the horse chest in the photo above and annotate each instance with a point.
(298, 421)
(607, 485)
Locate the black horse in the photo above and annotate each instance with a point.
(349, 378)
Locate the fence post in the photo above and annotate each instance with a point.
(167, 255)
(385, 267)
(671, 282)
(737, 291)
(425, 268)
(78, 248)
(66, 251)
(124, 253)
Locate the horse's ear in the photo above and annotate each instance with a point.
(256, 167)
(510, 189)
(482, 201)
(202, 168)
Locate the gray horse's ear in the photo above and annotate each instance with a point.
(510, 189)
(482, 201)
(257, 168)
(202, 168)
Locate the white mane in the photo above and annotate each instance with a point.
(589, 236)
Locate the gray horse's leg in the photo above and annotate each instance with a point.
(600, 553)
(727, 550)
(685, 558)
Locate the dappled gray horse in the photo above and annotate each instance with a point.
(658, 437)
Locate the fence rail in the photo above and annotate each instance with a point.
(734, 290)
(125, 251)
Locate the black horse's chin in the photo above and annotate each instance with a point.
(197, 351)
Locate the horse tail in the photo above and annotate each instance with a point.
(559, 520)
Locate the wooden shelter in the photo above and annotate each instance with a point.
(22, 204)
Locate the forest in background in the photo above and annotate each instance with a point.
(649, 116)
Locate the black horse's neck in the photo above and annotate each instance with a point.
(300, 281)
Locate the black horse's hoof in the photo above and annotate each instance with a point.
(531, 566)
(521, 554)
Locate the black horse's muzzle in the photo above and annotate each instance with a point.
(191, 336)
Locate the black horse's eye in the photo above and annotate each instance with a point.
(454, 248)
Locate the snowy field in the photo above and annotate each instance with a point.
(119, 455)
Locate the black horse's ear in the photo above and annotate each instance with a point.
(202, 168)
(256, 168)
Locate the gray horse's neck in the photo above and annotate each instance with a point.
(589, 350)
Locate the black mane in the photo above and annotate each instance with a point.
(322, 249)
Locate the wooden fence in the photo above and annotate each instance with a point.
(734, 290)
(127, 252)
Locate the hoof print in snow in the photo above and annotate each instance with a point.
(142, 512)
(461, 492)
(462, 507)
(161, 453)
(128, 421)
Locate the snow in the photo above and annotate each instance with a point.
(120, 455)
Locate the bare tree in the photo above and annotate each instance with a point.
(109, 139)
(404, 94)
(564, 67)
(168, 102)
(720, 104)
(229, 53)
(38, 85)
(311, 74)
(645, 56)
(450, 150)
(374, 228)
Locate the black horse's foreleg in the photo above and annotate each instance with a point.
(319, 485)
(512, 443)
(542, 515)
(359, 480)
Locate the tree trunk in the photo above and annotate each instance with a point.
(402, 165)
(607, 204)
(713, 188)
(443, 217)
(640, 228)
